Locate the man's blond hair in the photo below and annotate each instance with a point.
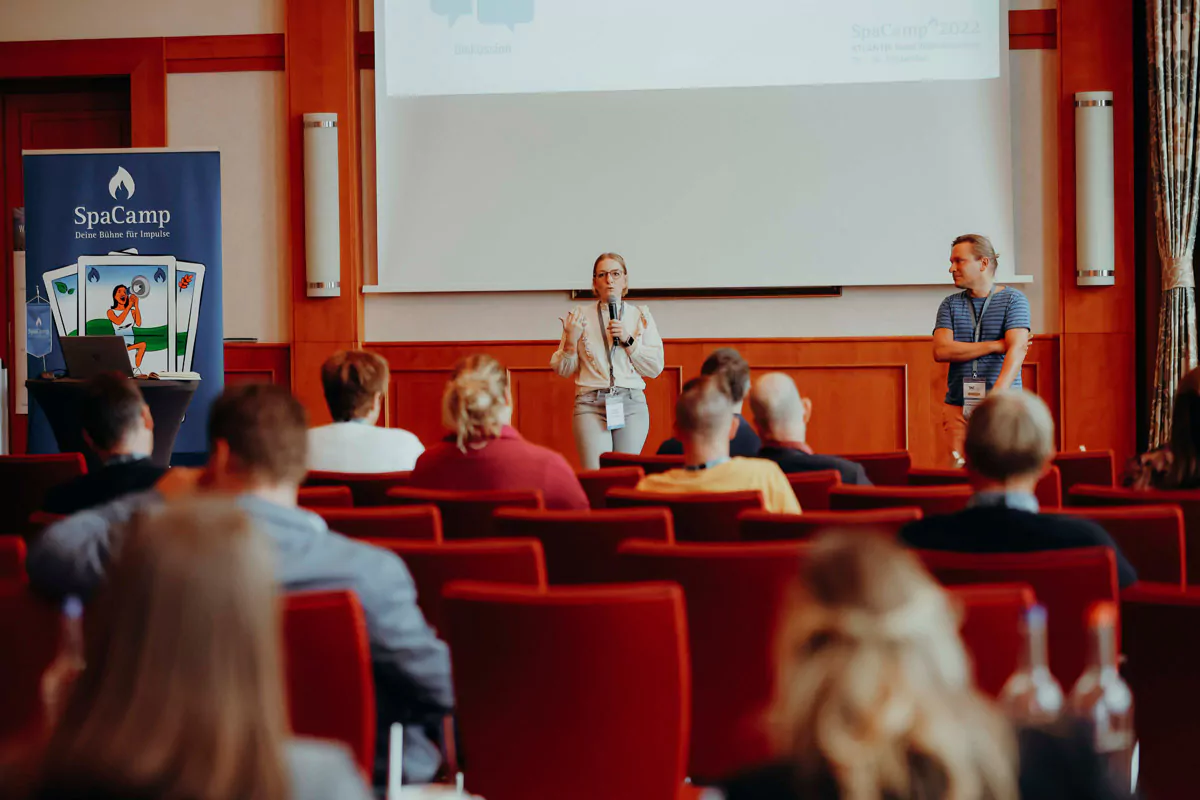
(1009, 435)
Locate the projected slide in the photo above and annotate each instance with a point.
(469, 47)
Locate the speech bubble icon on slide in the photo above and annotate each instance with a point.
(451, 9)
(505, 12)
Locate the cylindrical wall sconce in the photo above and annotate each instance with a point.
(322, 210)
(1095, 215)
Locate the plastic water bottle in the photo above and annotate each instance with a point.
(60, 676)
(1103, 699)
(1031, 695)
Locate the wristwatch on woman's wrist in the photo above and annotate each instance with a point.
(628, 342)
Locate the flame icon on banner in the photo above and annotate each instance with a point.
(93, 276)
(121, 180)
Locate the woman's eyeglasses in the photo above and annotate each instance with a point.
(612, 273)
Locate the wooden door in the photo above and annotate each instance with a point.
(47, 115)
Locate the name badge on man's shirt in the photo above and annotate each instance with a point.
(614, 413)
(973, 393)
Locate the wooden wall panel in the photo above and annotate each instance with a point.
(414, 402)
(258, 363)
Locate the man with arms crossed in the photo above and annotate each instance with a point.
(982, 332)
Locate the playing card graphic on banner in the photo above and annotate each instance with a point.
(128, 243)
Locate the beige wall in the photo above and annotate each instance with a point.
(22, 20)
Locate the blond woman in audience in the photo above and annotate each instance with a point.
(609, 357)
(874, 698)
(484, 451)
(182, 695)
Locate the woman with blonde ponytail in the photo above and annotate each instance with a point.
(874, 698)
(483, 451)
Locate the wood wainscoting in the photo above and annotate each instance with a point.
(869, 395)
(253, 362)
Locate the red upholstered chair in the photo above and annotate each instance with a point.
(733, 593)
(699, 517)
(991, 630)
(1151, 537)
(467, 515)
(327, 658)
(1091, 467)
(368, 489)
(515, 561)
(12, 559)
(579, 692)
(25, 480)
(1162, 650)
(29, 630)
(932, 500)
(761, 526)
(597, 482)
(812, 488)
(419, 523)
(581, 546)
(1066, 582)
(1048, 491)
(651, 465)
(325, 497)
(884, 469)
(1188, 502)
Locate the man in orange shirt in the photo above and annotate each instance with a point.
(704, 422)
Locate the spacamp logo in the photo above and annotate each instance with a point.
(121, 188)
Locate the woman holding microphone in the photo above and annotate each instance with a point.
(609, 348)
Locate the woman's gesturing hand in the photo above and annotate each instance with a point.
(574, 324)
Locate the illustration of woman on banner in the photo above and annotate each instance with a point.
(124, 316)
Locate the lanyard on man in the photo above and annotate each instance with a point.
(974, 389)
(614, 408)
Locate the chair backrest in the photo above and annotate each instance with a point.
(1049, 489)
(26, 481)
(1161, 652)
(467, 514)
(651, 465)
(29, 631)
(698, 517)
(432, 566)
(577, 693)
(762, 526)
(325, 497)
(812, 488)
(884, 469)
(418, 523)
(932, 500)
(597, 482)
(734, 595)
(1066, 582)
(1151, 538)
(1187, 500)
(12, 559)
(1091, 467)
(991, 629)
(327, 659)
(368, 489)
(581, 546)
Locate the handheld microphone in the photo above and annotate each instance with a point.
(613, 299)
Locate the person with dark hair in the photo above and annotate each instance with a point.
(1177, 465)
(1009, 444)
(733, 369)
(704, 422)
(258, 454)
(355, 383)
(118, 428)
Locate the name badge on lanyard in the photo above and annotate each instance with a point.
(974, 388)
(614, 412)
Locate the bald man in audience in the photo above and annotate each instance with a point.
(782, 416)
(1009, 446)
(705, 423)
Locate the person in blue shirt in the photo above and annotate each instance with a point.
(729, 364)
(982, 331)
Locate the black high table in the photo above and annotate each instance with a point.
(61, 400)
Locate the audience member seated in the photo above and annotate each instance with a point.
(782, 416)
(257, 452)
(182, 695)
(1009, 447)
(1177, 465)
(705, 422)
(117, 426)
(355, 383)
(873, 697)
(727, 362)
(485, 452)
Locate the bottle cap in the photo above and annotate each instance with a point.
(72, 607)
(1102, 614)
(1035, 616)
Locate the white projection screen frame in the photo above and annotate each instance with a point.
(835, 184)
